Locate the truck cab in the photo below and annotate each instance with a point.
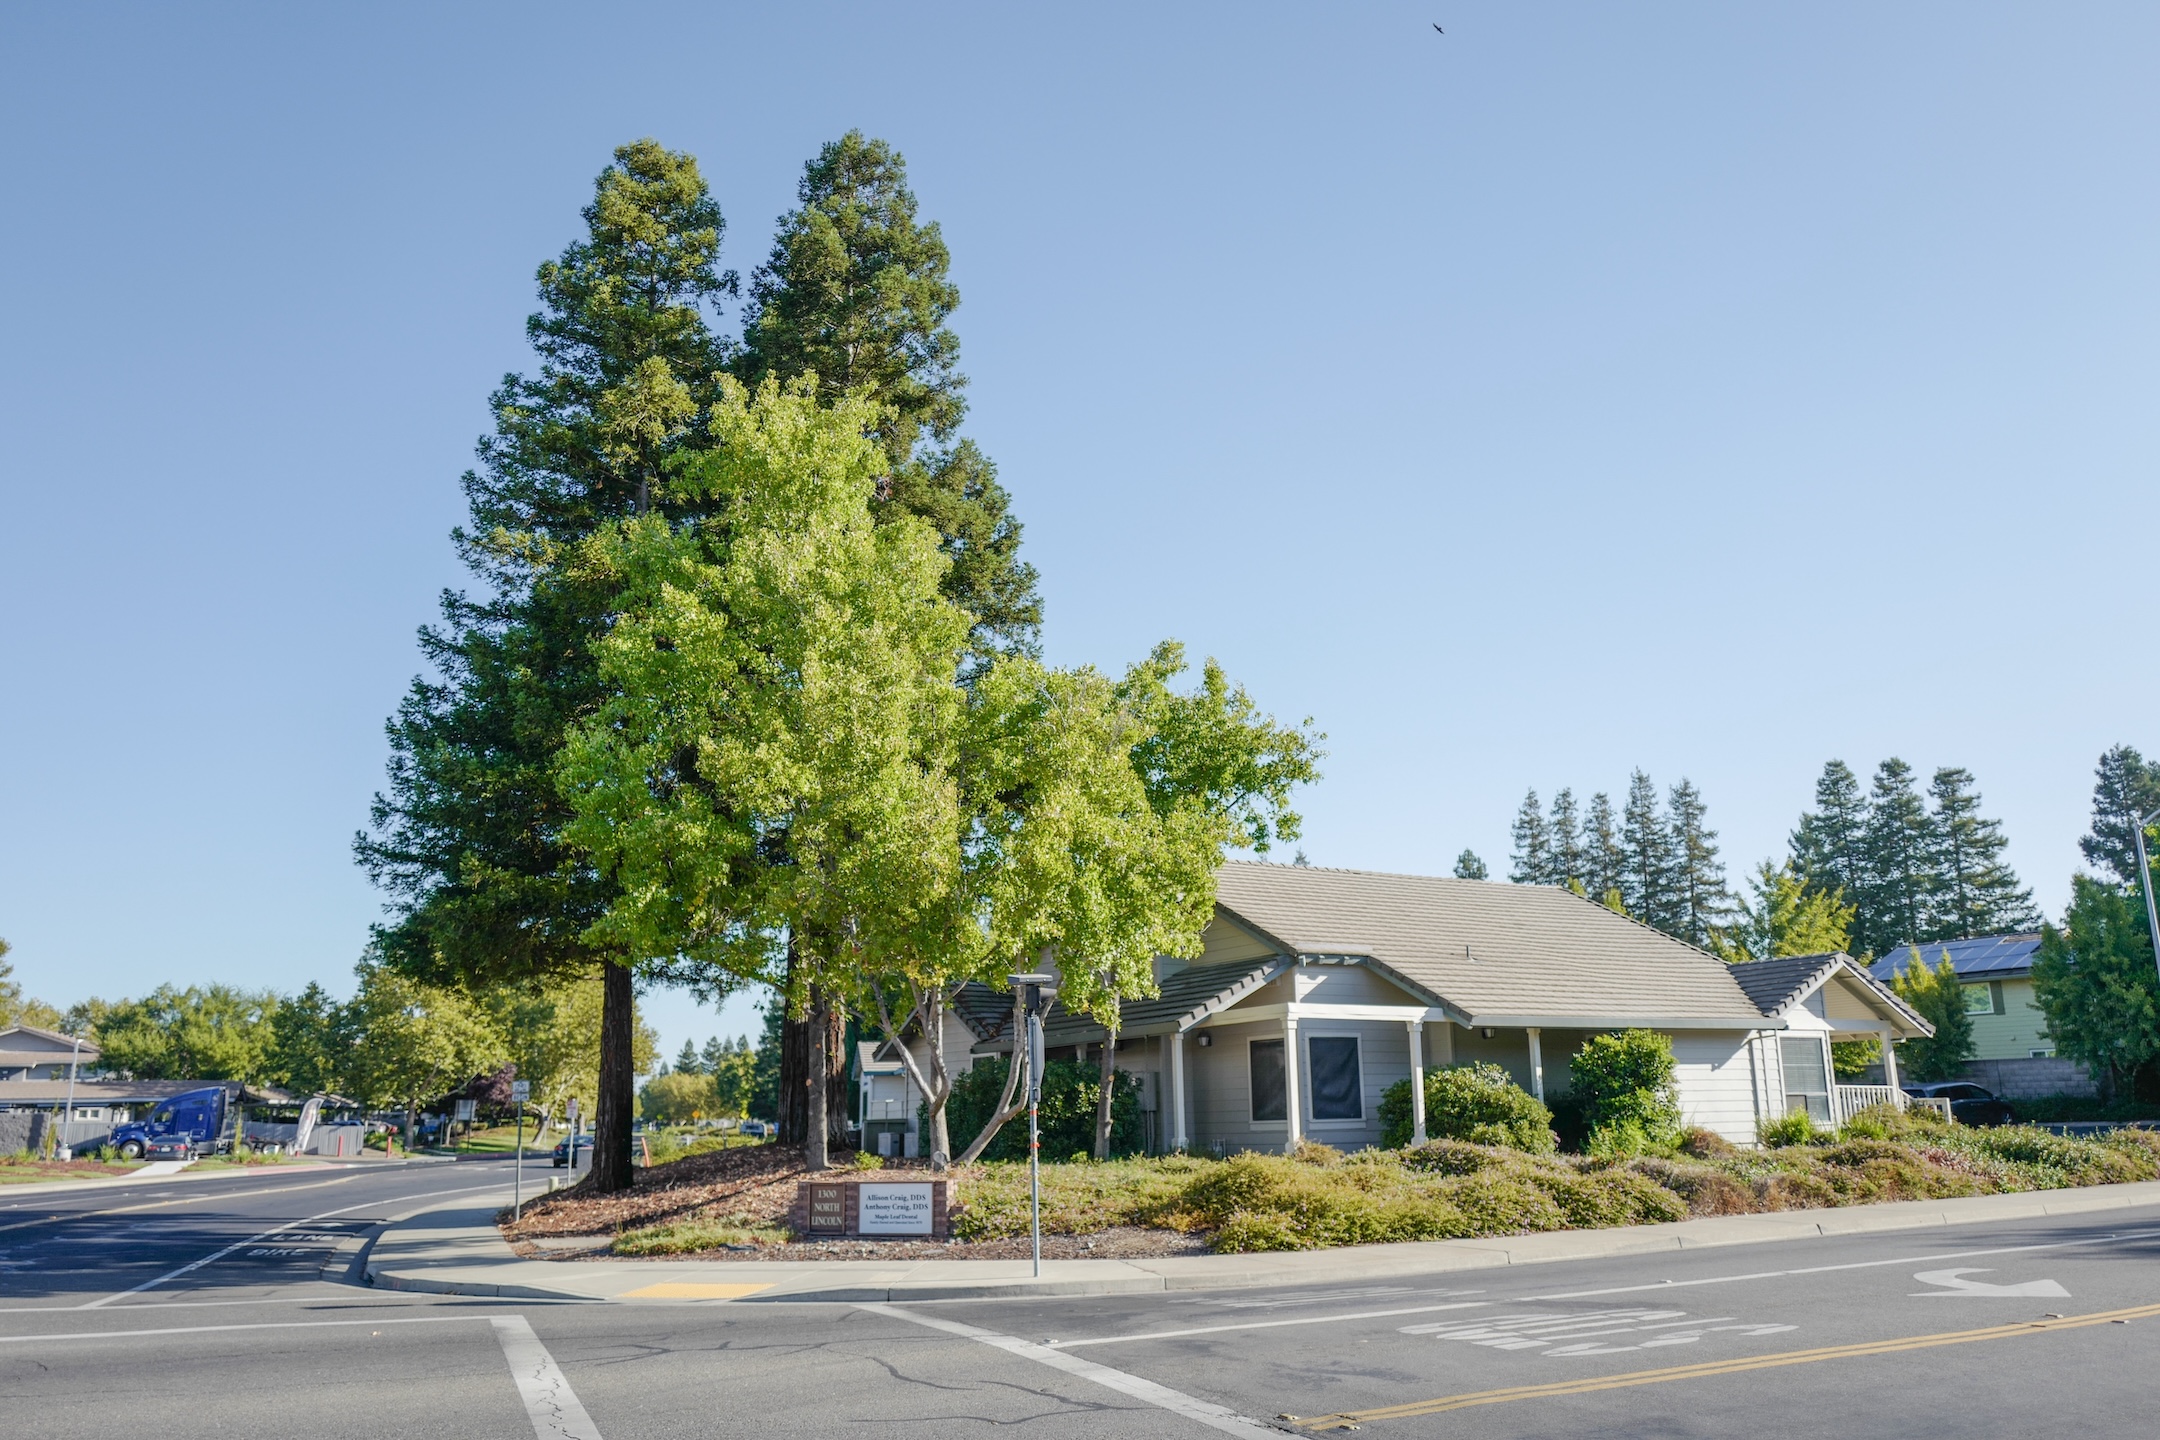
(196, 1115)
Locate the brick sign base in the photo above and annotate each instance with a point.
(897, 1203)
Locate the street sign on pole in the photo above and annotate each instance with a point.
(520, 1091)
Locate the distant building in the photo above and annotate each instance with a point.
(1995, 972)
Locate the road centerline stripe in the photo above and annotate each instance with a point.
(1584, 1385)
(550, 1403)
(1205, 1412)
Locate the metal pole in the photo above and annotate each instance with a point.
(1035, 1139)
(2152, 915)
(67, 1116)
(517, 1205)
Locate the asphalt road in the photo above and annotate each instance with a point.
(196, 1308)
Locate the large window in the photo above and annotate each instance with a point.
(1982, 997)
(1267, 1081)
(1338, 1091)
(1807, 1076)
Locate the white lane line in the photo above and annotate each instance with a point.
(211, 1258)
(1826, 1269)
(1264, 1324)
(1207, 1413)
(549, 1402)
(66, 1217)
(211, 1329)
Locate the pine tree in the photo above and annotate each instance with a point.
(1787, 918)
(1648, 881)
(1604, 861)
(1701, 903)
(686, 1061)
(1469, 867)
(1564, 844)
(856, 290)
(467, 840)
(1531, 859)
(1976, 893)
(715, 1054)
(1898, 885)
(1829, 847)
(2125, 788)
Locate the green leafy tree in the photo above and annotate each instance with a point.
(1531, 859)
(1469, 867)
(679, 1097)
(1975, 891)
(1899, 884)
(413, 1042)
(1071, 1100)
(1701, 903)
(856, 292)
(310, 1042)
(210, 1032)
(467, 839)
(1935, 995)
(2094, 980)
(553, 1036)
(734, 1073)
(1829, 849)
(2126, 787)
(1787, 917)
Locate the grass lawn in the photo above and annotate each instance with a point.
(502, 1140)
(21, 1169)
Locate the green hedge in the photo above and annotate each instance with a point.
(1480, 1103)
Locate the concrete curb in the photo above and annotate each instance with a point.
(460, 1252)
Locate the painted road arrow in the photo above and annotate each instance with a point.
(1954, 1286)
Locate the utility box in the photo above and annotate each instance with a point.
(871, 1206)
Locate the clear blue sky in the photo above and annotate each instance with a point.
(1710, 388)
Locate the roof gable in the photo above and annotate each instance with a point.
(1778, 985)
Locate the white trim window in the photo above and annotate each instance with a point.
(1335, 1063)
(1806, 1062)
(1270, 1093)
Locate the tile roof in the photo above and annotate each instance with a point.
(1505, 954)
(1194, 988)
(1776, 984)
(1988, 957)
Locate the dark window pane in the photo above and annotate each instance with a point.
(1336, 1092)
(1267, 1081)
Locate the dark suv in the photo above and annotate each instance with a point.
(1969, 1104)
(562, 1151)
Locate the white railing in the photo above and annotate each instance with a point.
(1847, 1101)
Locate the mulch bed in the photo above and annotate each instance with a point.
(755, 1185)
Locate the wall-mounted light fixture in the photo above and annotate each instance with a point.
(1205, 1040)
(1486, 1032)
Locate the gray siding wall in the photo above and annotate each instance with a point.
(1221, 1084)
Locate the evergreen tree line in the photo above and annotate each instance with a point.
(1914, 868)
(1655, 859)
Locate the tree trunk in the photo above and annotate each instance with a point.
(796, 1043)
(611, 1168)
(1008, 1107)
(1108, 1088)
(816, 1137)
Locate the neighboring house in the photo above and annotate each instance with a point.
(1318, 989)
(29, 1052)
(1823, 998)
(2012, 1053)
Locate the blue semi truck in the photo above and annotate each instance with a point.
(197, 1117)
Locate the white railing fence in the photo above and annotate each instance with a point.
(1847, 1101)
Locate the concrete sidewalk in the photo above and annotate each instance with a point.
(460, 1252)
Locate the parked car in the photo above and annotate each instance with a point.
(167, 1147)
(756, 1127)
(562, 1151)
(1969, 1104)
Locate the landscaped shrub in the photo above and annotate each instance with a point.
(1705, 1144)
(1070, 1090)
(1793, 1128)
(1480, 1103)
(1624, 1084)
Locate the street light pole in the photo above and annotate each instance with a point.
(67, 1115)
(2152, 914)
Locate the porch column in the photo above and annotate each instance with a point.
(1417, 1082)
(1889, 1067)
(1537, 1065)
(1293, 1109)
(1177, 1090)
